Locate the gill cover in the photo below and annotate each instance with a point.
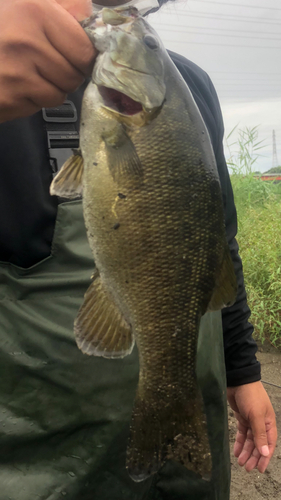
(130, 57)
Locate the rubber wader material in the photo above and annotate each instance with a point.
(64, 416)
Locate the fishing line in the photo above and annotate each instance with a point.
(270, 383)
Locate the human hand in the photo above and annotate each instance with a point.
(79, 9)
(44, 54)
(257, 433)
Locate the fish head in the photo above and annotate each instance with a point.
(129, 70)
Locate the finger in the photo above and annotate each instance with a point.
(48, 63)
(271, 430)
(241, 436)
(48, 96)
(20, 110)
(34, 88)
(23, 105)
(263, 464)
(257, 423)
(57, 70)
(239, 443)
(272, 438)
(247, 450)
(28, 96)
(253, 460)
(74, 45)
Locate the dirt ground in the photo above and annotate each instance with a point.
(256, 486)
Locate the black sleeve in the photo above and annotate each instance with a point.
(240, 348)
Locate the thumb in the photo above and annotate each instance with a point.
(257, 423)
(80, 9)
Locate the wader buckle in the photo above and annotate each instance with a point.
(62, 134)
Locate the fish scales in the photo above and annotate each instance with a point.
(158, 264)
(154, 217)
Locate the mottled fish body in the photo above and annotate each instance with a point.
(154, 217)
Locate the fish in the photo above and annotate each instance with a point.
(154, 217)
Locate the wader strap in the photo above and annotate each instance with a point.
(62, 127)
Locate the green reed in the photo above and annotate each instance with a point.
(258, 206)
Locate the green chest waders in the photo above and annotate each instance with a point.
(64, 416)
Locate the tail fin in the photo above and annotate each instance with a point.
(168, 426)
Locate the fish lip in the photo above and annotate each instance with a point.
(119, 65)
(114, 111)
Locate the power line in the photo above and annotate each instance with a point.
(246, 73)
(248, 89)
(249, 98)
(219, 29)
(250, 84)
(238, 5)
(252, 91)
(243, 72)
(187, 42)
(240, 100)
(215, 34)
(251, 81)
(228, 18)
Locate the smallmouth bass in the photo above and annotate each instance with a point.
(155, 223)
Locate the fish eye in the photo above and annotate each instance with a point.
(151, 42)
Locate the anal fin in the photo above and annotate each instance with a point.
(100, 328)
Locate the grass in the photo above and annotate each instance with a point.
(258, 206)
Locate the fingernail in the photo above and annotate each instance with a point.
(265, 451)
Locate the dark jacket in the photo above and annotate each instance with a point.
(28, 212)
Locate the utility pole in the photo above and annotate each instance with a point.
(274, 153)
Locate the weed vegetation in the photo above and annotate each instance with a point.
(258, 206)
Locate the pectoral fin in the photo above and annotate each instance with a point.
(122, 156)
(100, 328)
(226, 285)
(68, 182)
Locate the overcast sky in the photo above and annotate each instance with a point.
(239, 45)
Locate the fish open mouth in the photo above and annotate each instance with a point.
(117, 101)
